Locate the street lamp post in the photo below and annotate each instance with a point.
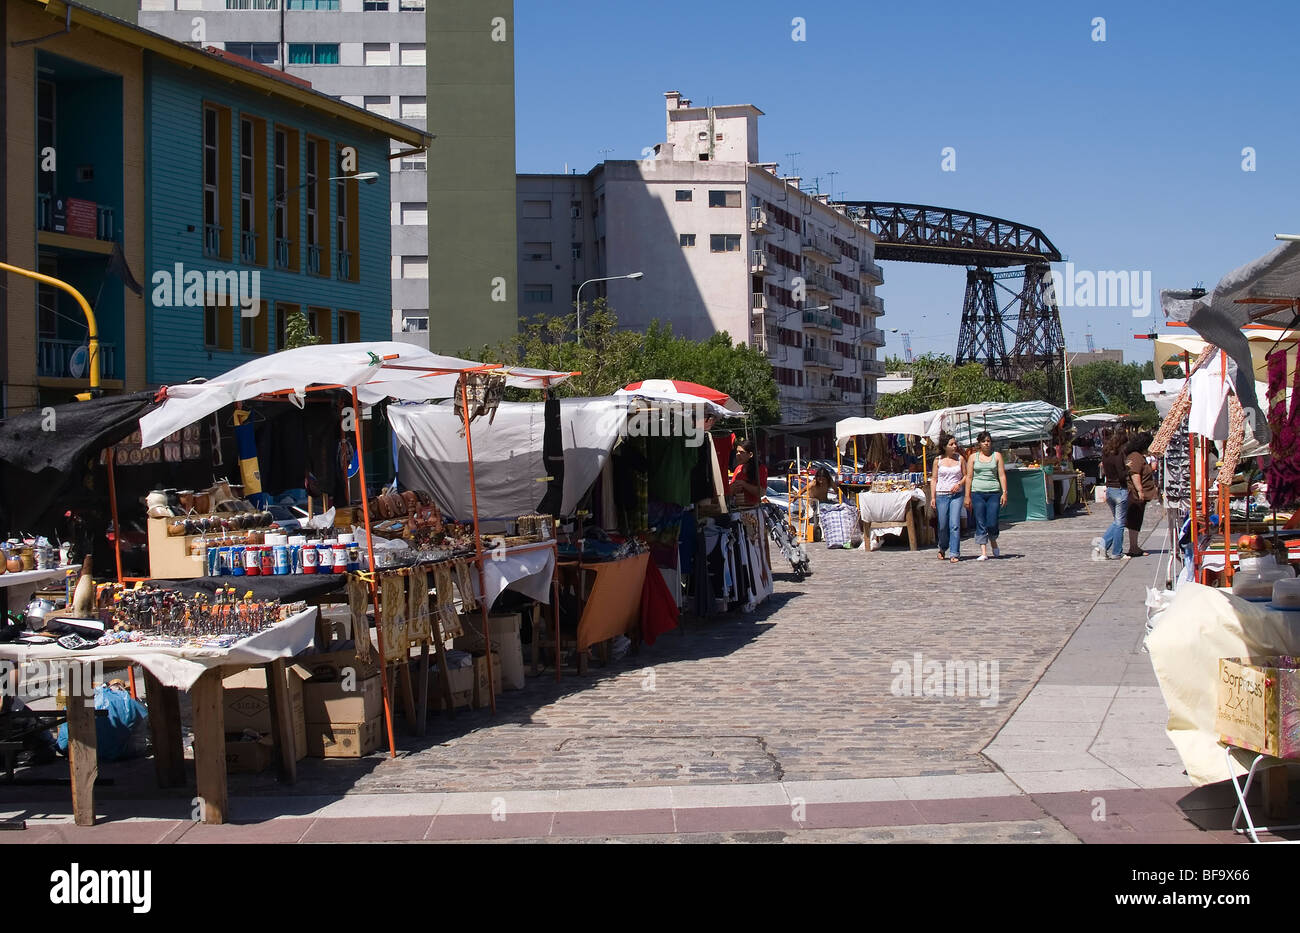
(634, 276)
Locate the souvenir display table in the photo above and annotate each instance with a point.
(20, 586)
(891, 513)
(197, 670)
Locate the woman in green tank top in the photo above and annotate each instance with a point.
(986, 493)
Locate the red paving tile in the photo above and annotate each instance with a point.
(369, 829)
(858, 815)
(734, 819)
(977, 809)
(612, 822)
(482, 826)
(271, 831)
(30, 835)
(108, 833)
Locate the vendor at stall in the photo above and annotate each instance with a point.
(748, 480)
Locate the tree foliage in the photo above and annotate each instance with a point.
(1113, 387)
(297, 332)
(938, 383)
(610, 358)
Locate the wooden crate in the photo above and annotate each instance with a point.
(169, 557)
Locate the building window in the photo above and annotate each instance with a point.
(576, 250)
(374, 6)
(349, 327)
(704, 157)
(264, 53)
(247, 175)
(686, 239)
(218, 326)
(685, 194)
(318, 207)
(537, 252)
(44, 140)
(415, 267)
(286, 198)
(312, 5)
(383, 106)
(378, 53)
(318, 323)
(724, 243)
(411, 6)
(724, 199)
(537, 210)
(537, 294)
(414, 324)
(309, 53)
(250, 5)
(252, 331)
(347, 224)
(416, 162)
(282, 313)
(216, 183)
(415, 214)
(413, 108)
(575, 210)
(410, 53)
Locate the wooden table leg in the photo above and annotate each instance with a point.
(165, 727)
(408, 694)
(210, 746)
(282, 732)
(422, 702)
(83, 752)
(444, 673)
(911, 527)
(537, 638)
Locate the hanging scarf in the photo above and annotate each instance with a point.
(1283, 473)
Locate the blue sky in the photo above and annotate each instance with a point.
(1127, 153)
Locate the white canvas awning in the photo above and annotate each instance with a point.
(924, 424)
(376, 370)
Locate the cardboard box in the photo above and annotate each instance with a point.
(247, 705)
(344, 740)
(248, 757)
(333, 665)
(462, 687)
(505, 642)
(481, 679)
(330, 702)
(1258, 705)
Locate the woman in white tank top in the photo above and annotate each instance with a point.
(947, 493)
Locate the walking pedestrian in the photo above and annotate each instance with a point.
(1115, 471)
(947, 488)
(986, 492)
(1141, 488)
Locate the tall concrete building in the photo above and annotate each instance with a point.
(370, 53)
(726, 243)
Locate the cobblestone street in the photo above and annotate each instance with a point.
(800, 690)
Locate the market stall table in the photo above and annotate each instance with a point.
(890, 513)
(21, 585)
(198, 671)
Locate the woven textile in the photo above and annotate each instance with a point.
(840, 524)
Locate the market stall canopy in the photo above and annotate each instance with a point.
(1264, 291)
(43, 452)
(684, 393)
(1008, 422)
(510, 470)
(924, 424)
(1091, 422)
(376, 370)
(1261, 344)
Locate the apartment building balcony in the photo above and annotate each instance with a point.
(758, 304)
(827, 394)
(873, 336)
(248, 246)
(871, 272)
(758, 264)
(820, 320)
(824, 359)
(823, 284)
(54, 359)
(873, 368)
(759, 221)
(873, 304)
(281, 253)
(820, 247)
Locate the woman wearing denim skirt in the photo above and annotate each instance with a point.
(947, 492)
(986, 493)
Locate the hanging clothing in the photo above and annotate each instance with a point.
(1210, 388)
(1283, 472)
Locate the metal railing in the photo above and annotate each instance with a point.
(816, 356)
(313, 258)
(53, 357)
(345, 264)
(104, 225)
(757, 260)
(758, 221)
(869, 270)
(874, 336)
(827, 394)
(758, 303)
(823, 283)
(247, 246)
(211, 240)
(281, 253)
(822, 246)
(824, 321)
(873, 367)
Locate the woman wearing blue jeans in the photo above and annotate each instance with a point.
(947, 492)
(1116, 472)
(986, 493)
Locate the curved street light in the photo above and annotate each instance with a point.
(577, 298)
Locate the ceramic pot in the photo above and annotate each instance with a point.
(14, 562)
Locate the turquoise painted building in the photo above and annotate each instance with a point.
(263, 199)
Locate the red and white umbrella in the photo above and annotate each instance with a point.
(684, 393)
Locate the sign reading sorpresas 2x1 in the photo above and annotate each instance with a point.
(181, 288)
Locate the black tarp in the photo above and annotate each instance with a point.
(44, 453)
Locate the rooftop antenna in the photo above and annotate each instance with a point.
(794, 172)
(604, 153)
(831, 194)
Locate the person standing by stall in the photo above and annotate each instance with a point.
(986, 492)
(1141, 488)
(748, 481)
(947, 493)
(1115, 472)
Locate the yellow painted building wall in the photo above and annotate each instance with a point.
(24, 21)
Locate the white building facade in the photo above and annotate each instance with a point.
(370, 53)
(725, 244)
